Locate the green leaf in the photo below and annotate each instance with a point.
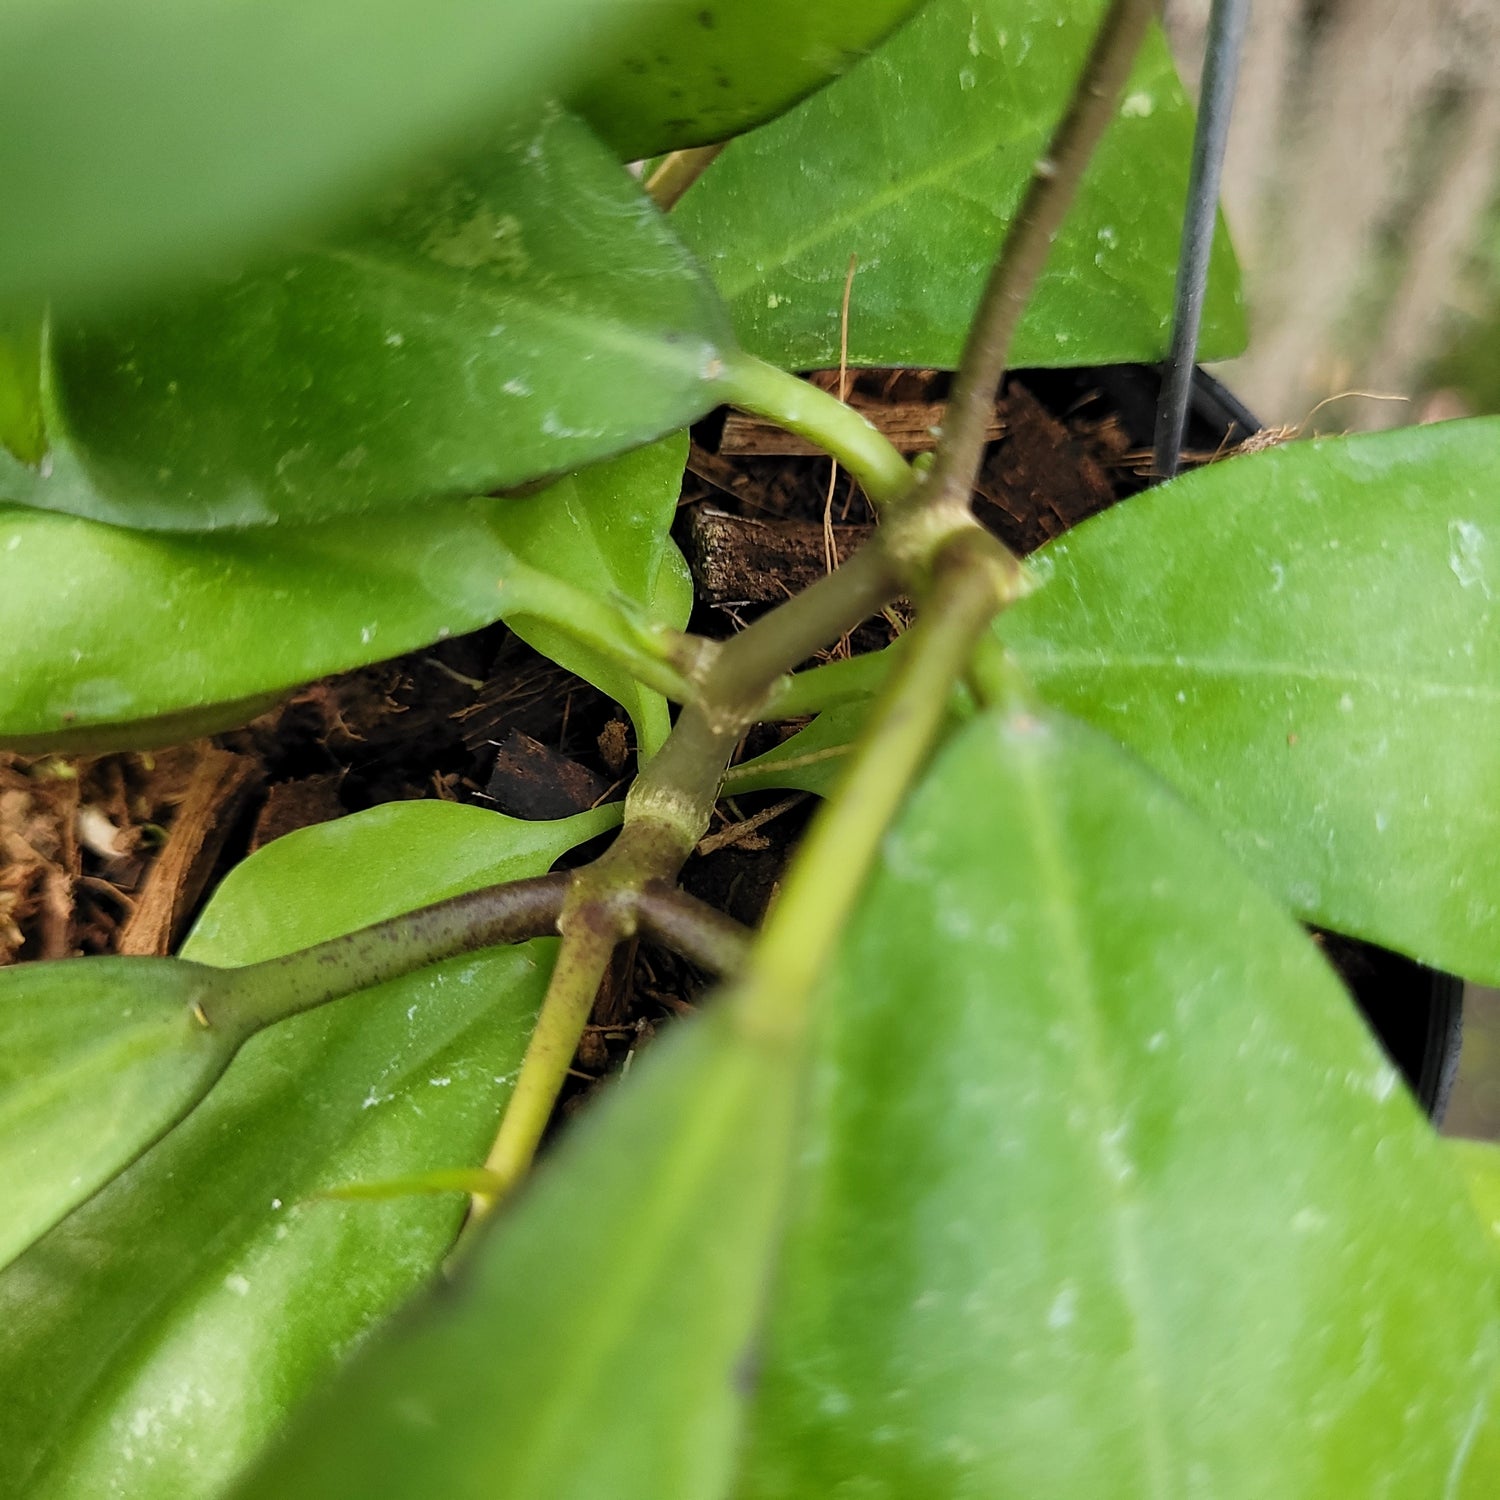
(122, 638)
(407, 854)
(915, 164)
(621, 550)
(97, 1060)
(22, 428)
(509, 317)
(138, 138)
(157, 1338)
(809, 761)
(1105, 1188)
(594, 1343)
(1479, 1163)
(691, 73)
(1304, 642)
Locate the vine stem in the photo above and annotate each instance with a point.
(801, 407)
(259, 995)
(652, 654)
(581, 964)
(666, 813)
(971, 583)
(931, 545)
(1049, 195)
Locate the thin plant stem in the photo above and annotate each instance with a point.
(264, 993)
(666, 812)
(800, 407)
(829, 870)
(694, 929)
(678, 171)
(582, 962)
(1049, 195)
(990, 675)
(649, 653)
(932, 545)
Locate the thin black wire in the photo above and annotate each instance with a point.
(1221, 65)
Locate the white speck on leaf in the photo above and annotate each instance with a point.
(1138, 106)
(1467, 545)
(1064, 1307)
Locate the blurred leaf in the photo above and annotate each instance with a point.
(621, 549)
(157, 1338)
(125, 638)
(1304, 642)
(439, 1180)
(812, 759)
(137, 139)
(98, 1059)
(22, 431)
(514, 316)
(594, 1343)
(691, 73)
(916, 162)
(1479, 1163)
(1105, 1188)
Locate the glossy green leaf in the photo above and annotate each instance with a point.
(123, 638)
(812, 759)
(22, 431)
(511, 316)
(1479, 1163)
(1106, 1190)
(1304, 641)
(809, 761)
(154, 1341)
(915, 164)
(97, 1060)
(405, 855)
(137, 138)
(594, 1344)
(621, 550)
(689, 73)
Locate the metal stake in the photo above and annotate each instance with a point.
(1221, 64)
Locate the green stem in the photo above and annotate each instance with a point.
(261, 994)
(666, 813)
(694, 929)
(832, 684)
(582, 962)
(991, 676)
(1050, 194)
(800, 407)
(970, 583)
(652, 654)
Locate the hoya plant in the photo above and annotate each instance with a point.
(1031, 1147)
